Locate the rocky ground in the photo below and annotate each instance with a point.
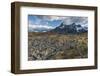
(44, 46)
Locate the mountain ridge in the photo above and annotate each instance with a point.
(70, 29)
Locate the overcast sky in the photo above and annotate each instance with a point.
(50, 22)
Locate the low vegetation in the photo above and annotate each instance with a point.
(47, 46)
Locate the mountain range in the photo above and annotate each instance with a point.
(70, 29)
(63, 29)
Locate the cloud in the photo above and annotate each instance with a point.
(52, 18)
(40, 26)
(78, 20)
(67, 19)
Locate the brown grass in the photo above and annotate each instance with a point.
(47, 46)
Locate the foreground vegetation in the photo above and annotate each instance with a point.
(47, 46)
